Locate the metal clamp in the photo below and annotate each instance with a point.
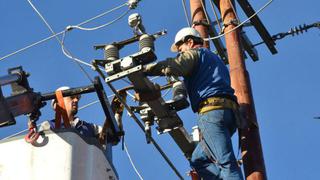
(202, 22)
(234, 22)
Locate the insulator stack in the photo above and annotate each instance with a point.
(111, 52)
(146, 41)
(298, 30)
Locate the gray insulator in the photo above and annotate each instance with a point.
(146, 41)
(179, 89)
(111, 52)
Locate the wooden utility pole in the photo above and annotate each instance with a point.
(250, 139)
(198, 18)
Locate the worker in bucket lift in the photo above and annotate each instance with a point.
(207, 81)
(71, 105)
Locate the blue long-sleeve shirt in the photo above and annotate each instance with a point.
(205, 74)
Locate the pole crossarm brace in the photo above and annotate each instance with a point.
(258, 25)
(255, 21)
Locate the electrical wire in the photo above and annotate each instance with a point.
(61, 32)
(131, 162)
(16, 134)
(89, 104)
(64, 50)
(134, 117)
(216, 15)
(131, 95)
(185, 12)
(101, 26)
(60, 42)
(102, 14)
(256, 13)
(205, 12)
(67, 53)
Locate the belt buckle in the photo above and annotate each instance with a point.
(218, 100)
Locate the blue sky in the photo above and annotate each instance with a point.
(285, 85)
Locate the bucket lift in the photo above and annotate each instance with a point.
(23, 100)
(61, 154)
(55, 154)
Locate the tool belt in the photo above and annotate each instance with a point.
(214, 103)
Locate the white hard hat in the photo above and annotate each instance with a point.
(53, 101)
(184, 32)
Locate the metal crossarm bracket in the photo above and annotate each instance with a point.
(168, 120)
(165, 116)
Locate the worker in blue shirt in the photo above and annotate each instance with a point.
(207, 81)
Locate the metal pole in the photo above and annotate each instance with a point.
(198, 15)
(252, 155)
(8, 79)
(69, 92)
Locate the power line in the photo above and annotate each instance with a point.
(131, 162)
(61, 32)
(185, 12)
(60, 42)
(67, 53)
(216, 15)
(297, 30)
(101, 26)
(16, 134)
(135, 118)
(102, 14)
(64, 50)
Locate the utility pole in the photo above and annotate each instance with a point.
(250, 139)
(198, 18)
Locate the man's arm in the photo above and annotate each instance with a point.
(182, 65)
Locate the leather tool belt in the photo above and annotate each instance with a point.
(214, 103)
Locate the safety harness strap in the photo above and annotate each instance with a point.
(208, 151)
(61, 111)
